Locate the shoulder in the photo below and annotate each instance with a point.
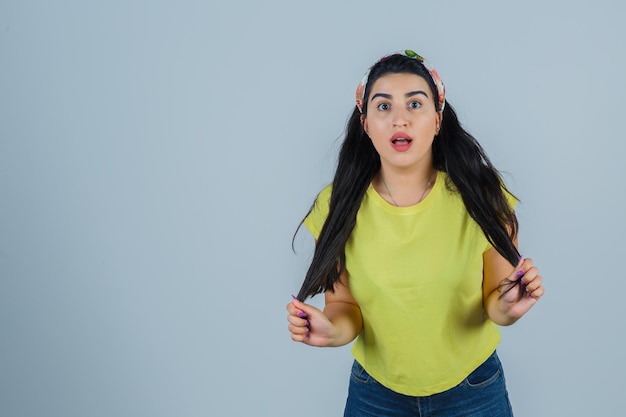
(324, 196)
(510, 197)
(319, 211)
(452, 190)
(322, 201)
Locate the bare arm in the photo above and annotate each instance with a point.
(343, 311)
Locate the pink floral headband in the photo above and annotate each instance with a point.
(441, 89)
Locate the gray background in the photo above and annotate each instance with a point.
(156, 158)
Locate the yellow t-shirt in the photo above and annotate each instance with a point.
(416, 273)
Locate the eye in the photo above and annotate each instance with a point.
(415, 104)
(383, 106)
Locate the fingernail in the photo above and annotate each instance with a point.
(308, 324)
(522, 282)
(294, 297)
(306, 335)
(520, 273)
(301, 314)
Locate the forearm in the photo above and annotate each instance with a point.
(346, 320)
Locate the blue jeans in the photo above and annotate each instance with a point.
(482, 394)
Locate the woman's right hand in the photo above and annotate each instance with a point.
(309, 325)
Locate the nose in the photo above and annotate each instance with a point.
(399, 119)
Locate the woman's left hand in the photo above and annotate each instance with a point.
(532, 286)
(505, 300)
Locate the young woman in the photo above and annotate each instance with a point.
(416, 254)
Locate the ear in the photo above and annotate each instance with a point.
(364, 122)
(438, 123)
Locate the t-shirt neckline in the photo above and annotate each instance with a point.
(439, 180)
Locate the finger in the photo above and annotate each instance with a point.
(297, 321)
(297, 304)
(308, 310)
(296, 316)
(529, 275)
(534, 280)
(299, 333)
(300, 338)
(297, 330)
(523, 270)
(293, 311)
(537, 293)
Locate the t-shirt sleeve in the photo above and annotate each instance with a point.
(511, 199)
(319, 212)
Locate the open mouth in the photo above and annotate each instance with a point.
(401, 141)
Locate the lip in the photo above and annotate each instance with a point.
(401, 146)
(401, 135)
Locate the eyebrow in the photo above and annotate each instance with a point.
(407, 95)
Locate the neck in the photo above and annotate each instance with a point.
(404, 188)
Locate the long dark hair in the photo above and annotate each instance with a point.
(455, 152)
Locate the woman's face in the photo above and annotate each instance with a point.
(402, 120)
